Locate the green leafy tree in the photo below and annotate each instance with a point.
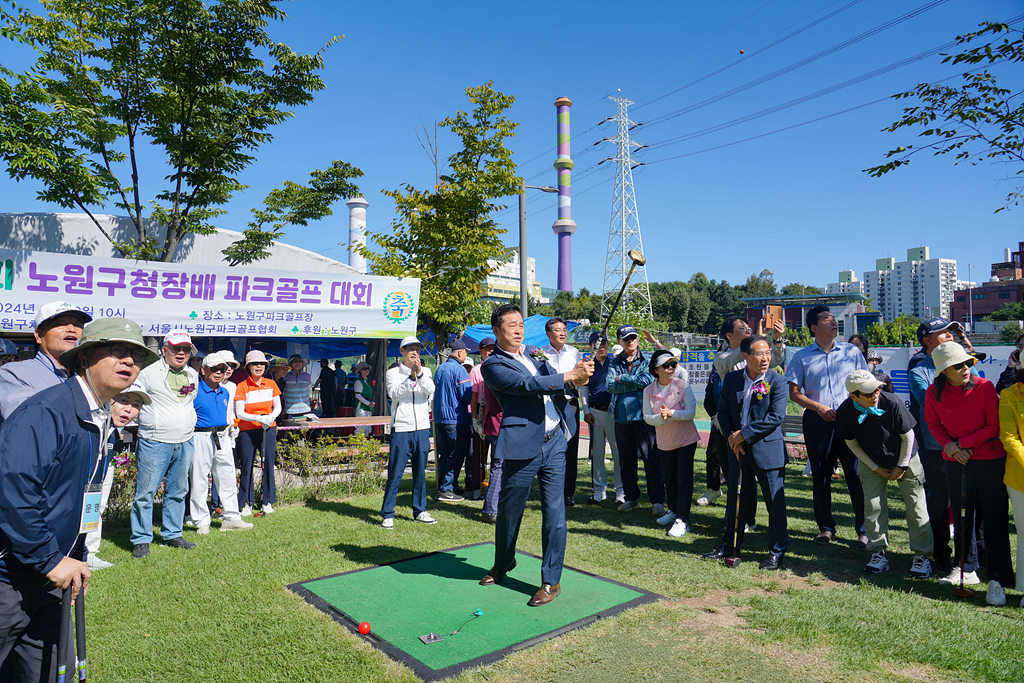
(797, 337)
(670, 303)
(1008, 334)
(1011, 311)
(203, 82)
(977, 120)
(447, 235)
(699, 311)
(800, 289)
(760, 284)
(894, 332)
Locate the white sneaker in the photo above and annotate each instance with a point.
(96, 563)
(189, 522)
(879, 563)
(996, 596)
(233, 524)
(678, 529)
(708, 497)
(807, 471)
(920, 567)
(388, 523)
(203, 530)
(268, 509)
(246, 511)
(627, 505)
(970, 578)
(657, 509)
(425, 518)
(749, 528)
(667, 518)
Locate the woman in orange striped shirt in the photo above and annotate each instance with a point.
(257, 405)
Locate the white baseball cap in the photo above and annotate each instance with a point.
(675, 352)
(862, 381)
(175, 337)
(214, 359)
(55, 308)
(136, 390)
(409, 341)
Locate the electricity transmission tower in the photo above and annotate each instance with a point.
(624, 232)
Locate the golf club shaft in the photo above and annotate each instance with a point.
(615, 306)
(62, 638)
(80, 635)
(963, 504)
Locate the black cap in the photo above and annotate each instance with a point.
(457, 345)
(487, 341)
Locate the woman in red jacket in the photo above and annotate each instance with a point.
(963, 413)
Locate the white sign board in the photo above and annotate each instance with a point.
(210, 301)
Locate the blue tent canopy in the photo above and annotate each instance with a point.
(533, 334)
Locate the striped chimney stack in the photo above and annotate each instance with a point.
(564, 227)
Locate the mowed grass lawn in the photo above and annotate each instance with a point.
(221, 612)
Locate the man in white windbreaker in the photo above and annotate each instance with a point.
(410, 388)
(165, 447)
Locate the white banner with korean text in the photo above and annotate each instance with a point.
(210, 301)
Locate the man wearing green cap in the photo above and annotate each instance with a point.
(53, 452)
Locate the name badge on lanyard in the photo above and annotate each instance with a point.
(93, 498)
(91, 508)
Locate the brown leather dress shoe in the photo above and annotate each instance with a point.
(494, 576)
(546, 594)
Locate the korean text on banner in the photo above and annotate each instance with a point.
(208, 300)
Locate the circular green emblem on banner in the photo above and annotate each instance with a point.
(398, 307)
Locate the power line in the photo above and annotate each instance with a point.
(765, 49)
(795, 65)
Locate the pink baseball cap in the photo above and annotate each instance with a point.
(175, 337)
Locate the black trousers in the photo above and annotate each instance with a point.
(29, 631)
(636, 442)
(824, 448)
(744, 478)
(986, 493)
(716, 465)
(677, 468)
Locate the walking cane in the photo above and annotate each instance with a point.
(734, 561)
(962, 592)
(62, 640)
(80, 634)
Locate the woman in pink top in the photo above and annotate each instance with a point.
(669, 405)
(963, 413)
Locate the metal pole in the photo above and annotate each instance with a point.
(524, 291)
(970, 298)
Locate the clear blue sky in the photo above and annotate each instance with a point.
(796, 202)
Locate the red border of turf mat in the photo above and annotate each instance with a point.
(424, 671)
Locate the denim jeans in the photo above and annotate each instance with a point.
(407, 447)
(157, 461)
(452, 445)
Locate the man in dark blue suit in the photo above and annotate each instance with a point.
(531, 443)
(751, 410)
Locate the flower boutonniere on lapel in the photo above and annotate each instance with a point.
(538, 356)
(761, 389)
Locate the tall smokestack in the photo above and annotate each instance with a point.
(356, 231)
(564, 227)
(1007, 255)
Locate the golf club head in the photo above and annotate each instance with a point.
(636, 257)
(732, 561)
(964, 592)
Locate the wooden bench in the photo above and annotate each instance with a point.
(793, 429)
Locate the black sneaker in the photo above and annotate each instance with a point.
(179, 542)
(449, 497)
(140, 550)
(593, 501)
(570, 502)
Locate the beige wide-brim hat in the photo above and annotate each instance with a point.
(949, 354)
(108, 331)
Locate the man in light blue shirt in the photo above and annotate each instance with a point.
(58, 327)
(817, 381)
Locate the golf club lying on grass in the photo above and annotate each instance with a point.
(734, 561)
(962, 592)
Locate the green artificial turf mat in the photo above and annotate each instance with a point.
(439, 592)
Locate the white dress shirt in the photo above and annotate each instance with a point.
(549, 423)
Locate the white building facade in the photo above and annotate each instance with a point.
(920, 286)
(848, 284)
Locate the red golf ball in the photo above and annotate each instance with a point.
(364, 627)
(742, 51)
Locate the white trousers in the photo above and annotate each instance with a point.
(206, 459)
(1017, 501)
(92, 539)
(363, 411)
(603, 430)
